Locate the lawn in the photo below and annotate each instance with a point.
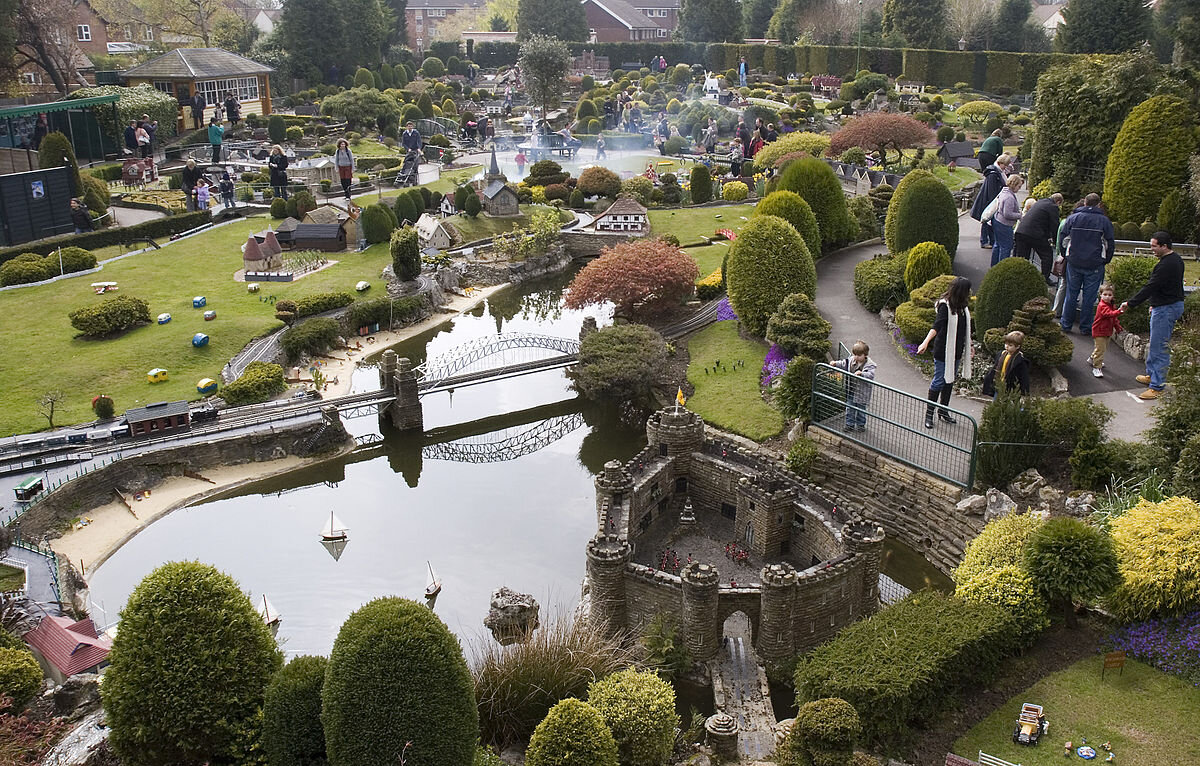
(42, 352)
(1148, 716)
(958, 179)
(693, 224)
(482, 227)
(708, 257)
(448, 181)
(11, 578)
(730, 399)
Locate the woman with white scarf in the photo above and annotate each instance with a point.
(951, 339)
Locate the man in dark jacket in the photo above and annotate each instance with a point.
(188, 178)
(131, 137)
(410, 139)
(993, 182)
(743, 132)
(1089, 239)
(1164, 293)
(198, 105)
(1037, 230)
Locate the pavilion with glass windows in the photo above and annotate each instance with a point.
(84, 121)
(211, 71)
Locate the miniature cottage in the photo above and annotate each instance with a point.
(447, 208)
(328, 228)
(64, 647)
(499, 200)
(624, 216)
(259, 256)
(432, 233)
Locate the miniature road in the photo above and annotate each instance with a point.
(39, 580)
(740, 689)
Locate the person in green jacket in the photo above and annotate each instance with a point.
(993, 147)
(216, 134)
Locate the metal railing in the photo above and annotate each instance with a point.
(49, 555)
(892, 422)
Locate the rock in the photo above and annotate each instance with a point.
(79, 696)
(1024, 489)
(1050, 498)
(513, 755)
(999, 505)
(782, 729)
(448, 279)
(1080, 504)
(80, 743)
(1058, 383)
(512, 616)
(975, 505)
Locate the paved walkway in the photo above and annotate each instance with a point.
(39, 579)
(740, 689)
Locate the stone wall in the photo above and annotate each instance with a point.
(588, 244)
(912, 505)
(499, 272)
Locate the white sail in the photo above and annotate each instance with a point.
(334, 528)
(268, 611)
(433, 584)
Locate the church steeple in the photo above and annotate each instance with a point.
(494, 173)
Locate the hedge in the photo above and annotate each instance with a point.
(1159, 133)
(258, 383)
(118, 235)
(572, 734)
(380, 310)
(921, 210)
(292, 733)
(901, 667)
(31, 267)
(110, 315)
(767, 262)
(315, 336)
(879, 283)
(319, 303)
(20, 676)
(1005, 288)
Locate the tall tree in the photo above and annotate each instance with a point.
(1011, 19)
(233, 33)
(563, 19)
(195, 18)
(504, 9)
(1182, 18)
(8, 39)
(45, 34)
(756, 15)
(1103, 26)
(398, 26)
(971, 20)
(921, 22)
(544, 62)
(320, 35)
(710, 21)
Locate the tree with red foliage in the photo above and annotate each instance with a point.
(880, 132)
(642, 278)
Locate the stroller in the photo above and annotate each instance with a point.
(408, 171)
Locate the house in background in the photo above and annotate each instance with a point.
(665, 13)
(1048, 17)
(211, 71)
(625, 216)
(616, 21)
(424, 16)
(65, 648)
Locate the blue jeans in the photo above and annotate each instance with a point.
(1089, 281)
(939, 373)
(985, 234)
(856, 415)
(1002, 237)
(1158, 359)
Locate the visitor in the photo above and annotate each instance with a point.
(600, 153)
(233, 108)
(227, 191)
(1010, 367)
(216, 134)
(202, 194)
(742, 72)
(278, 163)
(410, 139)
(521, 160)
(735, 158)
(198, 103)
(1004, 220)
(187, 181)
(858, 395)
(772, 134)
(994, 178)
(950, 337)
(527, 122)
(710, 136)
(131, 145)
(569, 141)
(152, 129)
(143, 141)
(343, 160)
(1037, 230)
(1060, 264)
(81, 217)
(743, 132)
(609, 114)
(756, 143)
(219, 112)
(481, 125)
(1164, 292)
(992, 148)
(1106, 322)
(662, 133)
(1090, 247)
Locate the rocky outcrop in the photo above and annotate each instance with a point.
(512, 617)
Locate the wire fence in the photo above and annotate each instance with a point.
(892, 422)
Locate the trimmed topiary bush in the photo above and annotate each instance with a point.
(767, 262)
(1011, 588)
(189, 669)
(734, 191)
(279, 208)
(319, 303)
(1128, 274)
(20, 676)
(292, 734)
(1158, 545)
(406, 254)
(1046, 345)
(921, 210)
(925, 261)
(598, 181)
(1000, 544)
(1159, 133)
(824, 733)
(378, 222)
(792, 208)
(473, 207)
(397, 675)
(879, 283)
(1005, 288)
(915, 316)
(1070, 561)
(572, 734)
(639, 710)
(798, 328)
(793, 389)
(257, 383)
(816, 182)
(701, 184)
(1177, 215)
(110, 316)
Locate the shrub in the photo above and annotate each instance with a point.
(793, 389)
(767, 262)
(815, 181)
(377, 222)
(102, 406)
(294, 134)
(405, 210)
(406, 254)
(998, 545)
(813, 144)
(824, 733)
(1158, 545)
(1064, 423)
(95, 194)
(315, 336)
(383, 310)
(258, 382)
(110, 315)
(1177, 215)
(319, 303)
(20, 676)
(433, 67)
(862, 209)
(798, 328)
(276, 129)
(639, 710)
(1046, 345)
(925, 261)
(1012, 589)
(1005, 288)
(189, 669)
(279, 208)
(1128, 273)
(557, 192)
(900, 667)
(396, 675)
(597, 181)
(701, 184)
(853, 156)
(24, 270)
(56, 151)
(546, 172)
(304, 202)
(1070, 560)
(473, 207)
(638, 187)
(1158, 133)
(572, 734)
(882, 132)
(879, 284)
(711, 286)
(619, 363)
(292, 734)
(1007, 420)
(734, 191)
(642, 278)
(792, 208)
(802, 456)
(575, 200)
(915, 316)
(921, 210)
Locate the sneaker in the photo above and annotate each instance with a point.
(1149, 394)
(1143, 379)
(1096, 373)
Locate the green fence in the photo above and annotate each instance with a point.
(892, 422)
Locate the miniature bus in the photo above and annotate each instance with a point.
(28, 489)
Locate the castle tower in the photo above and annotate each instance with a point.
(613, 489)
(676, 435)
(607, 556)
(406, 409)
(765, 506)
(700, 601)
(775, 640)
(864, 538)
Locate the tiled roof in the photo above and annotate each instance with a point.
(625, 206)
(626, 14)
(494, 188)
(198, 64)
(329, 214)
(447, 4)
(156, 410)
(71, 647)
(287, 224)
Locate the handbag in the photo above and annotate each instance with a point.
(1059, 268)
(990, 210)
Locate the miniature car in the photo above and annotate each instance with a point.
(1031, 725)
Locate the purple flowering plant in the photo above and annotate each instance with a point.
(775, 363)
(724, 310)
(1171, 644)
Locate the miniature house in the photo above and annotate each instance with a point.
(65, 648)
(499, 200)
(157, 418)
(431, 232)
(328, 228)
(257, 256)
(447, 208)
(285, 232)
(625, 216)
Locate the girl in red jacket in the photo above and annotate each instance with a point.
(1106, 322)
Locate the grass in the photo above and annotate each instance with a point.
(709, 257)
(731, 399)
(444, 184)
(482, 226)
(1145, 714)
(958, 179)
(694, 224)
(42, 352)
(11, 578)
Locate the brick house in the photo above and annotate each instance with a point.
(424, 16)
(616, 21)
(665, 13)
(158, 418)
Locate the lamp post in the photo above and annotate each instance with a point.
(858, 50)
(962, 43)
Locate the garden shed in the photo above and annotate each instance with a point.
(158, 418)
(500, 200)
(327, 237)
(211, 71)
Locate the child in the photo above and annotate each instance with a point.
(202, 195)
(1106, 322)
(858, 395)
(521, 162)
(1011, 367)
(600, 153)
(226, 187)
(735, 158)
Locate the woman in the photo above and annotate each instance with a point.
(994, 178)
(343, 159)
(1004, 220)
(233, 108)
(279, 164)
(756, 143)
(951, 339)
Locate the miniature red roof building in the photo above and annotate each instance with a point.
(70, 647)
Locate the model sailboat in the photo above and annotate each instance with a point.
(434, 585)
(269, 614)
(334, 529)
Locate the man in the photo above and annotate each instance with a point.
(710, 136)
(1037, 231)
(742, 72)
(410, 139)
(1090, 243)
(198, 104)
(743, 132)
(131, 137)
(772, 134)
(81, 217)
(993, 147)
(190, 176)
(216, 134)
(1164, 293)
